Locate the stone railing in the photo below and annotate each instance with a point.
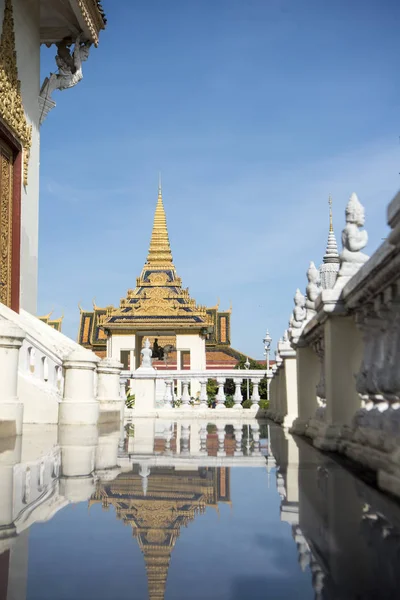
(47, 378)
(182, 380)
(347, 365)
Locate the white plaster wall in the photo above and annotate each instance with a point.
(27, 40)
(197, 347)
(121, 342)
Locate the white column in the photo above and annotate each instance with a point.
(203, 392)
(185, 393)
(238, 392)
(238, 437)
(221, 439)
(11, 408)
(255, 396)
(178, 368)
(184, 442)
(308, 373)
(221, 394)
(255, 429)
(290, 383)
(168, 396)
(79, 405)
(108, 386)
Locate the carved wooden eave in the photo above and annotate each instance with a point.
(61, 19)
(11, 107)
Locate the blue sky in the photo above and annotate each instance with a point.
(254, 111)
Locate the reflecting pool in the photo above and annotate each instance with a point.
(156, 509)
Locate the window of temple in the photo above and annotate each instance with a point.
(125, 358)
(31, 359)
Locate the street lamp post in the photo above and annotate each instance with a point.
(267, 347)
(247, 367)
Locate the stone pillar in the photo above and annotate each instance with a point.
(203, 392)
(11, 408)
(145, 390)
(255, 430)
(185, 393)
(185, 437)
(78, 445)
(168, 396)
(203, 438)
(79, 405)
(290, 385)
(308, 373)
(238, 437)
(108, 386)
(343, 355)
(238, 398)
(221, 394)
(221, 439)
(255, 396)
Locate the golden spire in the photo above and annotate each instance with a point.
(330, 213)
(160, 251)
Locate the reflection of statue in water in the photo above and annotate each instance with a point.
(69, 67)
(158, 351)
(354, 239)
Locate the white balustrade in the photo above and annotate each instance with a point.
(184, 379)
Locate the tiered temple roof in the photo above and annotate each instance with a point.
(159, 303)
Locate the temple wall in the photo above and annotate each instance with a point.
(27, 40)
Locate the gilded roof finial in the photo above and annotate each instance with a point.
(330, 213)
(160, 251)
(159, 184)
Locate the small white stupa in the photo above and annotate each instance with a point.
(331, 262)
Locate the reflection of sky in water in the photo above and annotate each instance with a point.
(244, 551)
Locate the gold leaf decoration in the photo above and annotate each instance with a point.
(11, 107)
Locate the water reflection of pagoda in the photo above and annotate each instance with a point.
(158, 505)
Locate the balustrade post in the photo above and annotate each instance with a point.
(108, 385)
(79, 405)
(185, 436)
(11, 409)
(221, 439)
(185, 394)
(255, 430)
(238, 437)
(168, 397)
(203, 439)
(238, 398)
(221, 394)
(122, 389)
(203, 393)
(255, 396)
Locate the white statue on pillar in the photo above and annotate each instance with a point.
(354, 239)
(146, 353)
(298, 316)
(313, 290)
